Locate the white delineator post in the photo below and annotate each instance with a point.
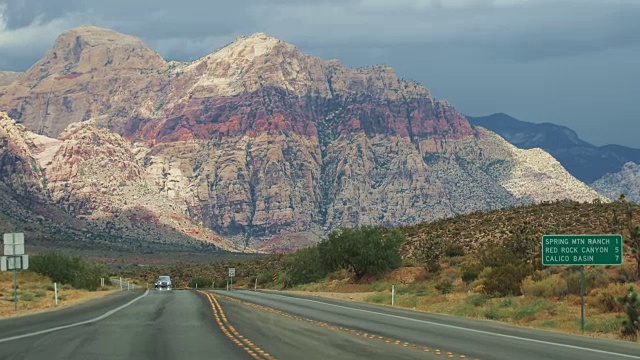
(55, 291)
(393, 295)
(121, 283)
(255, 286)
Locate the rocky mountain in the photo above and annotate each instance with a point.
(626, 181)
(87, 185)
(256, 142)
(583, 160)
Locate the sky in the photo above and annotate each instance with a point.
(569, 62)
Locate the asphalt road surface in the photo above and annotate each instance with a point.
(255, 325)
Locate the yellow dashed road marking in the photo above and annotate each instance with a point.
(347, 330)
(229, 331)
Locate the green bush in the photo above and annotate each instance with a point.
(59, 267)
(444, 287)
(470, 272)
(454, 250)
(68, 270)
(477, 299)
(502, 271)
(89, 276)
(552, 286)
(492, 313)
(507, 302)
(265, 278)
(504, 280)
(367, 250)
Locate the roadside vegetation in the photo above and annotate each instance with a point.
(488, 265)
(485, 265)
(78, 280)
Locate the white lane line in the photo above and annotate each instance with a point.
(462, 328)
(107, 314)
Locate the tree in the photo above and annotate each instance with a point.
(305, 266)
(367, 250)
(631, 325)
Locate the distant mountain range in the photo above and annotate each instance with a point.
(583, 160)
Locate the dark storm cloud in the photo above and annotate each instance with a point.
(517, 29)
(483, 55)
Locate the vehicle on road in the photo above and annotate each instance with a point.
(163, 282)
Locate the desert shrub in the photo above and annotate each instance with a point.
(492, 313)
(605, 299)
(626, 273)
(89, 276)
(451, 274)
(552, 286)
(68, 270)
(59, 267)
(502, 271)
(444, 286)
(454, 250)
(470, 272)
(593, 278)
(503, 280)
(477, 299)
(265, 278)
(573, 282)
(430, 252)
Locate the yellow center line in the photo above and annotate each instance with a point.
(230, 332)
(349, 331)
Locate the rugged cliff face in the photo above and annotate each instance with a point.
(92, 175)
(260, 143)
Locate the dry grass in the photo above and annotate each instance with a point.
(36, 294)
(544, 313)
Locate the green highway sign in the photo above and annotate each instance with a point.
(581, 250)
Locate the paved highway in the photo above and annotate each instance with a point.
(453, 336)
(255, 325)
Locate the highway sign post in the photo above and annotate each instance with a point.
(14, 259)
(581, 250)
(232, 273)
